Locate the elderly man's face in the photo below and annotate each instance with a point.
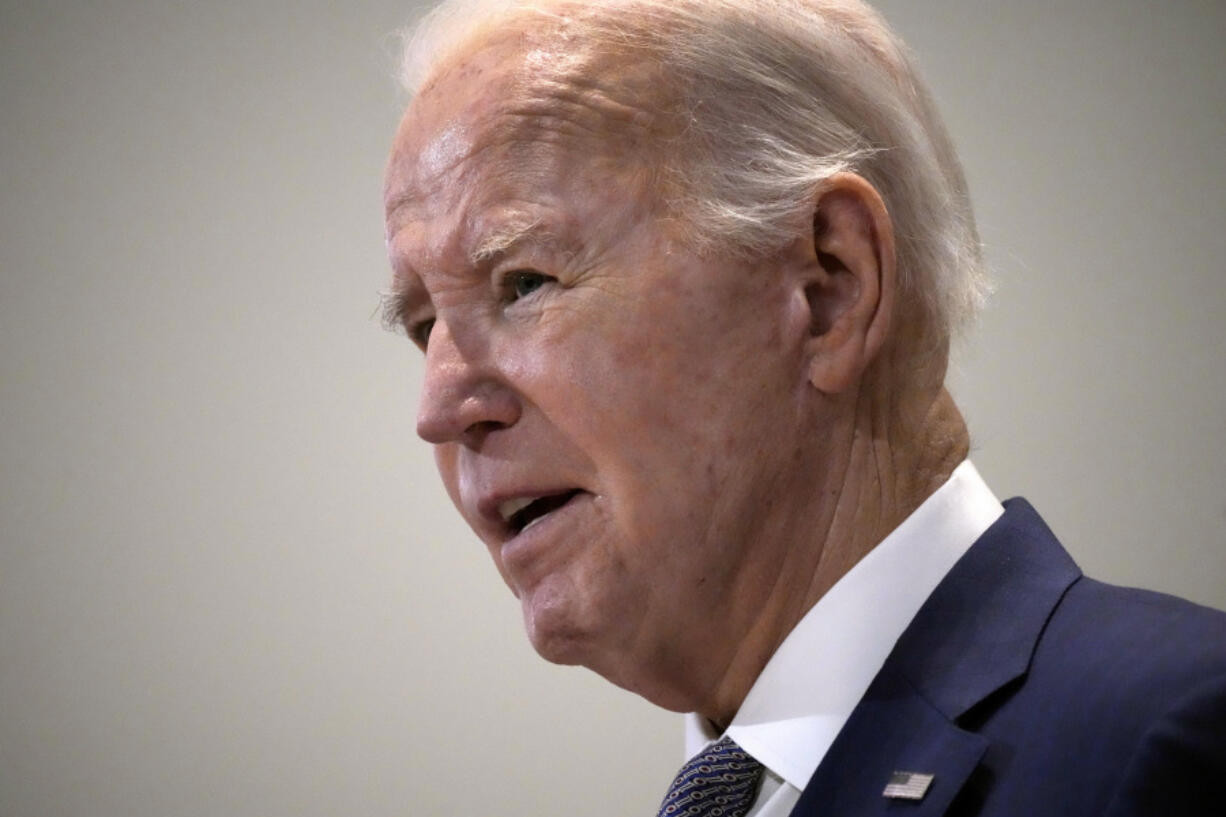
(615, 417)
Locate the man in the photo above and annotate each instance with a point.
(685, 273)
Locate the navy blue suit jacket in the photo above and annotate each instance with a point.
(1028, 689)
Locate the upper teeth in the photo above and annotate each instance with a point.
(513, 506)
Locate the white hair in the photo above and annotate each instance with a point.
(774, 97)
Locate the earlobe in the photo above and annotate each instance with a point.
(851, 293)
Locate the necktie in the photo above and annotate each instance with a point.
(720, 781)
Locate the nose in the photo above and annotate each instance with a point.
(463, 396)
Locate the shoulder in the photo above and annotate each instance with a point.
(1144, 674)
(1124, 703)
(1133, 640)
(1117, 658)
(1118, 704)
(1179, 762)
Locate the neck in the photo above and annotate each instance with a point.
(885, 467)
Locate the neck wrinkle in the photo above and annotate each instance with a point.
(886, 471)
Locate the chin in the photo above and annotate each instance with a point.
(570, 622)
(554, 630)
(565, 650)
(559, 641)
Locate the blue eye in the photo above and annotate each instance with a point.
(522, 283)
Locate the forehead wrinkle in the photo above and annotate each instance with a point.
(542, 93)
(579, 102)
(519, 122)
(588, 106)
(404, 202)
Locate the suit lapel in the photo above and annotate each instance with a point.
(975, 634)
(892, 729)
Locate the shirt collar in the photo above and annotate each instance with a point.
(811, 684)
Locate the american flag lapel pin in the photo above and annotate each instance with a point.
(908, 785)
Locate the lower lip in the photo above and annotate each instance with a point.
(522, 545)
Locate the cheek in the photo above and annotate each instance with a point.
(675, 401)
(631, 407)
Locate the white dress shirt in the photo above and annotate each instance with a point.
(814, 680)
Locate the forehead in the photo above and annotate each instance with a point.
(519, 115)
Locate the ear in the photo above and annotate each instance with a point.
(851, 291)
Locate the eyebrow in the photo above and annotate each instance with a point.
(511, 236)
(393, 307)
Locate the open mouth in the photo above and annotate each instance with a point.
(524, 513)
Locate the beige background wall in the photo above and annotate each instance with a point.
(229, 583)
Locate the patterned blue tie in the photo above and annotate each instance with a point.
(718, 782)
